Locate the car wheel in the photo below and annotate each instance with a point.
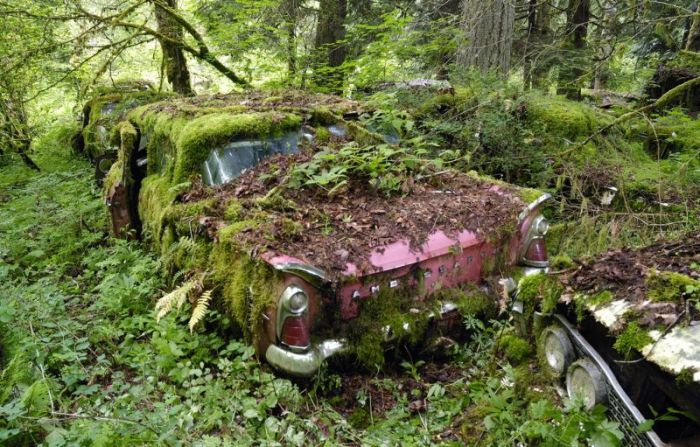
(585, 380)
(556, 351)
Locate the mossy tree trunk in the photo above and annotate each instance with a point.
(291, 19)
(173, 55)
(573, 66)
(329, 46)
(693, 41)
(446, 55)
(14, 130)
(604, 48)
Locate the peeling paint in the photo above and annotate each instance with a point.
(677, 350)
(610, 314)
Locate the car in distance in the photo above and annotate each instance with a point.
(106, 107)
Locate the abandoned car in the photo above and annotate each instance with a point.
(101, 113)
(213, 183)
(622, 330)
(261, 199)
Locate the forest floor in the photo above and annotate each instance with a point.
(84, 361)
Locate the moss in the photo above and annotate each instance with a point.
(322, 134)
(632, 339)
(670, 286)
(248, 287)
(516, 349)
(561, 262)
(276, 202)
(233, 210)
(527, 195)
(600, 298)
(539, 290)
(154, 198)
(202, 134)
(685, 377)
(561, 118)
(392, 309)
(470, 301)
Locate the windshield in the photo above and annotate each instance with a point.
(228, 162)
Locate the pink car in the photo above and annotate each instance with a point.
(326, 257)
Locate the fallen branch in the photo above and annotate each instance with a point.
(659, 103)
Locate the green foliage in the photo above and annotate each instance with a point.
(632, 339)
(671, 286)
(516, 349)
(385, 168)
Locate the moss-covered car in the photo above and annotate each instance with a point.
(107, 107)
(623, 330)
(234, 191)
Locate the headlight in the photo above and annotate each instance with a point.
(558, 353)
(585, 380)
(541, 226)
(294, 299)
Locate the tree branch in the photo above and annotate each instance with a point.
(658, 104)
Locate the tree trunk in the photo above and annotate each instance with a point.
(291, 18)
(604, 47)
(693, 41)
(445, 10)
(173, 55)
(573, 67)
(14, 130)
(329, 47)
(487, 27)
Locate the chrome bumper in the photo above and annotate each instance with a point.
(305, 364)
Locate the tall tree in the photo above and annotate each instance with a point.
(329, 45)
(487, 27)
(174, 60)
(693, 39)
(576, 58)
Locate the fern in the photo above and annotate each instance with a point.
(37, 398)
(200, 310)
(175, 298)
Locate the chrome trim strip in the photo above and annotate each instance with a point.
(609, 377)
(532, 205)
(307, 272)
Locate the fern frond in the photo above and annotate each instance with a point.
(200, 310)
(175, 298)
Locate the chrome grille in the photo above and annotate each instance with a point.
(620, 407)
(628, 426)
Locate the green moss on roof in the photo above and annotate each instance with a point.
(201, 135)
(527, 195)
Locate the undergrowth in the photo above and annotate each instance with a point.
(84, 361)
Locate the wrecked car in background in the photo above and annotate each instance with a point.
(623, 330)
(306, 271)
(101, 113)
